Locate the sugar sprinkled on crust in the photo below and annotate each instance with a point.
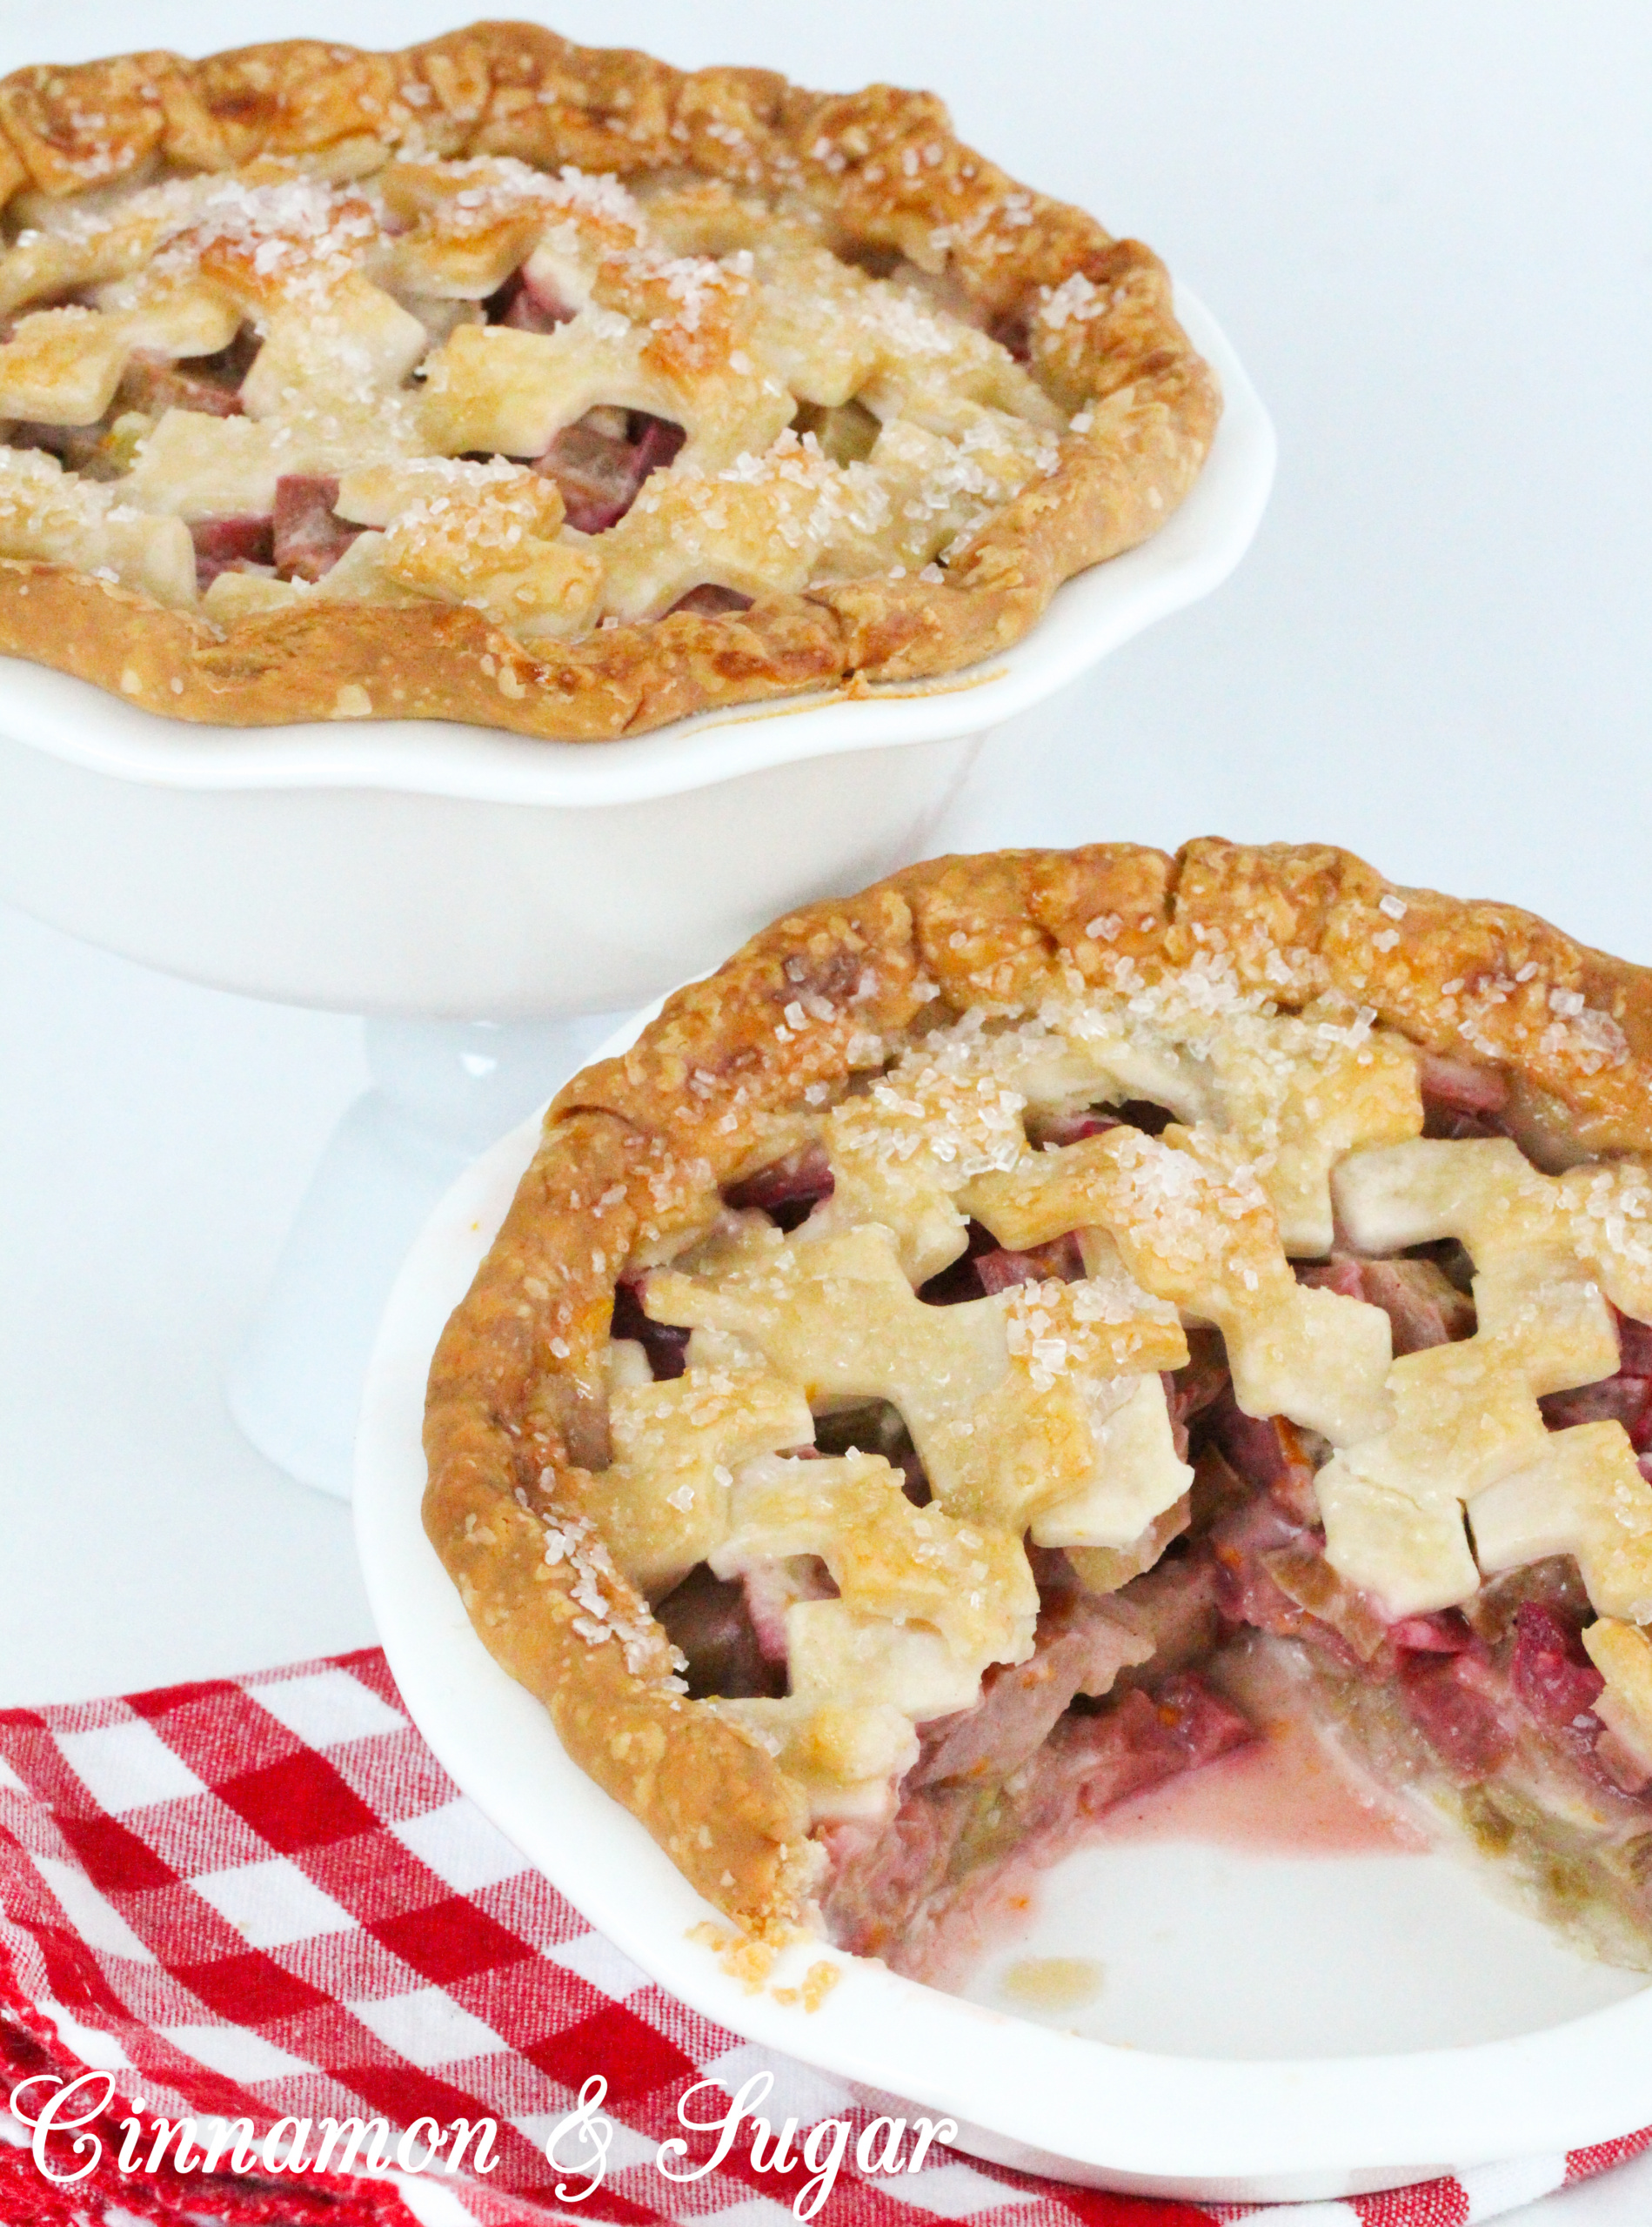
(597, 1591)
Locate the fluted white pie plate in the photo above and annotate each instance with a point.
(1269, 2026)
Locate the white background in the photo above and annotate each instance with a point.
(1428, 231)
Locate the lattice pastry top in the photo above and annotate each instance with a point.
(554, 389)
(1122, 1099)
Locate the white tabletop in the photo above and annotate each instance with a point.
(1425, 232)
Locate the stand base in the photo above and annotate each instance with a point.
(442, 1091)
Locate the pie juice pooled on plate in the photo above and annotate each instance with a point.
(1010, 1333)
(548, 387)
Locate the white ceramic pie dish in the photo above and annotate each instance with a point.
(421, 868)
(1272, 2028)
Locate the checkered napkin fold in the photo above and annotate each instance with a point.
(261, 1899)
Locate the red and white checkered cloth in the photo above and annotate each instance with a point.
(262, 1898)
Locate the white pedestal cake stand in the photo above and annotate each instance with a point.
(478, 896)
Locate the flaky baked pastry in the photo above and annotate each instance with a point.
(1002, 1322)
(546, 387)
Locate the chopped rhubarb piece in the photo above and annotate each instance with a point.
(771, 1590)
(1550, 1672)
(1623, 1768)
(153, 383)
(1178, 1599)
(665, 1345)
(1091, 1120)
(711, 601)
(89, 450)
(1240, 1539)
(309, 540)
(963, 1831)
(1147, 1738)
(1141, 1114)
(1270, 1571)
(1462, 1099)
(914, 1477)
(601, 461)
(1013, 331)
(960, 1281)
(1342, 1274)
(223, 545)
(1462, 1084)
(1193, 1389)
(527, 307)
(1061, 1257)
(879, 1876)
(1082, 1645)
(1635, 1347)
(1218, 1488)
(1199, 1724)
(988, 1267)
(708, 1620)
(1267, 1451)
(1302, 1573)
(1444, 1698)
(1424, 1305)
(787, 1188)
(1445, 1633)
(1626, 1400)
(1554, 1583)
(1073, 1129)
(54, 440)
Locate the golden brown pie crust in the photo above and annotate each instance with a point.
(518, 90)
(635, 1149)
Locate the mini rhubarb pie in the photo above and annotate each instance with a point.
(548, 388)
(1009, 1331)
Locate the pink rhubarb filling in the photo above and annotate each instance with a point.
(1125, 1691)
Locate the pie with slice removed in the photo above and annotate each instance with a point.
(1011, 1333)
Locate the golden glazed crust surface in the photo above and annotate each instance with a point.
(884, 171)
(635, 1149)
